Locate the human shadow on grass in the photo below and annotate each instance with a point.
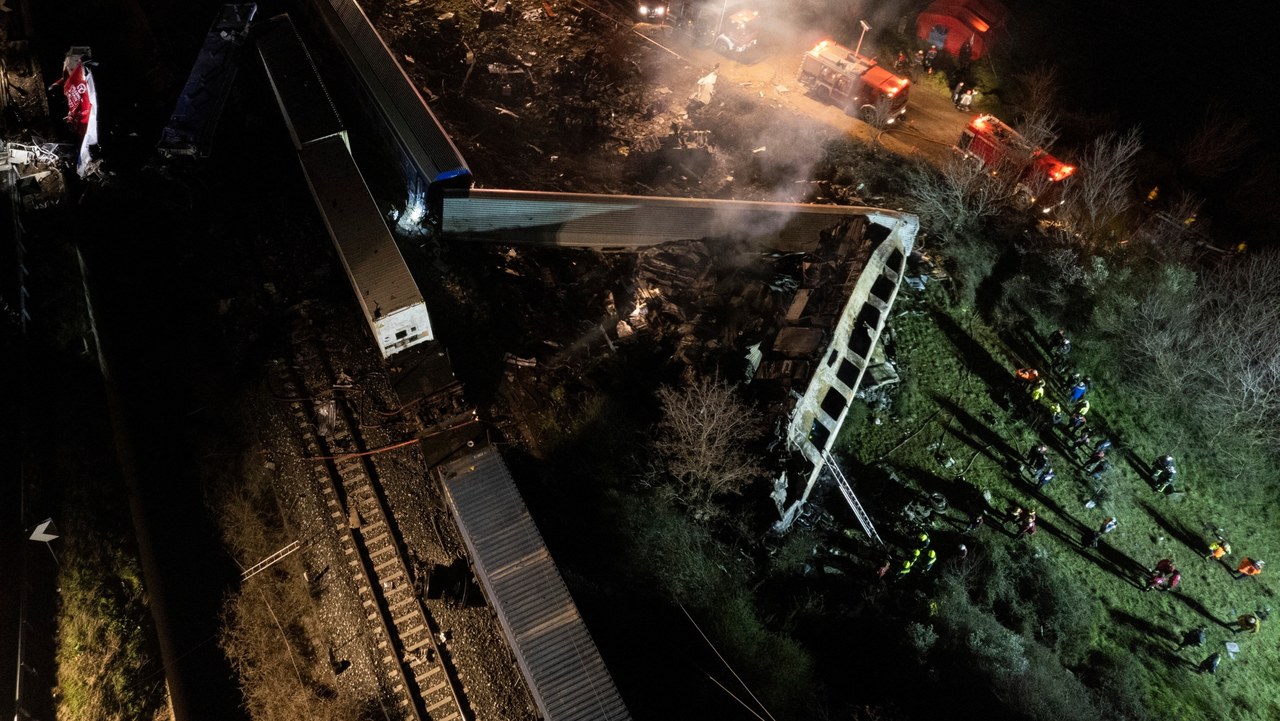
(1184, 535)
(1123, 566)
(1148, 637)
(979, 435)
(1028, 349)
(1142, 625)
(993, 374)
(1199, 608)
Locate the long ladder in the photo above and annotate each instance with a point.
(847, 491)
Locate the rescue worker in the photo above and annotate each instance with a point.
(1037, 390)
(905, 568)
(975, 522)
(930, 558)
(1028, 526)
(1056, 415)
(1248, 568)
(1217, 550)
(1046, 475)
(1210, 665)
(1058, 339)
(1016, 515)
(1161, 575)
(1076, 423)
(1094, 461)
(929, 58)
(1107, 526)
(1194, 637)
(884, 567)
(1082, 407)
(1037, 457)
(1020, 387)
(922, 541)
(1079, 389)
(1163, 472)
(1059, 349)
(1248, 622)
(908, 563)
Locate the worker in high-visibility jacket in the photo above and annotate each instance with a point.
(1248, 567)
(1217, 550)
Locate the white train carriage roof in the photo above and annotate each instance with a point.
(368, 251)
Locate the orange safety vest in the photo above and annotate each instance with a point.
(1248, 568)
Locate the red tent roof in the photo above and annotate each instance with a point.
(964, 20)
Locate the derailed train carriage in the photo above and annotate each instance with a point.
(389, 297)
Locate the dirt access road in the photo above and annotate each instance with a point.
(932, 124)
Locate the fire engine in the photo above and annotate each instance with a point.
(991, 143)
(739, 32)
(652, 10)
(855, 82)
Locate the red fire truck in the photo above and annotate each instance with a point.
(990, 142)
(855, 82)
(739, 32)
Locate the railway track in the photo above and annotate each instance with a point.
(417, 668)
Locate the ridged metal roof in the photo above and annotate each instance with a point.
(603, 221)
(560, 662)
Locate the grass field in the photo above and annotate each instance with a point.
(962, 441)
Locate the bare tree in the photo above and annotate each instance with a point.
(963, 195)
(1039, 118)
(1099, 196)
(1218, 144)
(1040, 89)
(1154, 330)
(1172, 233)
(1239, 335)
(702, 440)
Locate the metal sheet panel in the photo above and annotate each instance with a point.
(383, 284)
(420, 133)
(195, 115)
(605, 221)
(560, 662)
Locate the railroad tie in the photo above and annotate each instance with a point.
(435, 706)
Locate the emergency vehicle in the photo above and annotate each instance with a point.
(654, 11)
(991, 143)
(740, 32)
(855, 82)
